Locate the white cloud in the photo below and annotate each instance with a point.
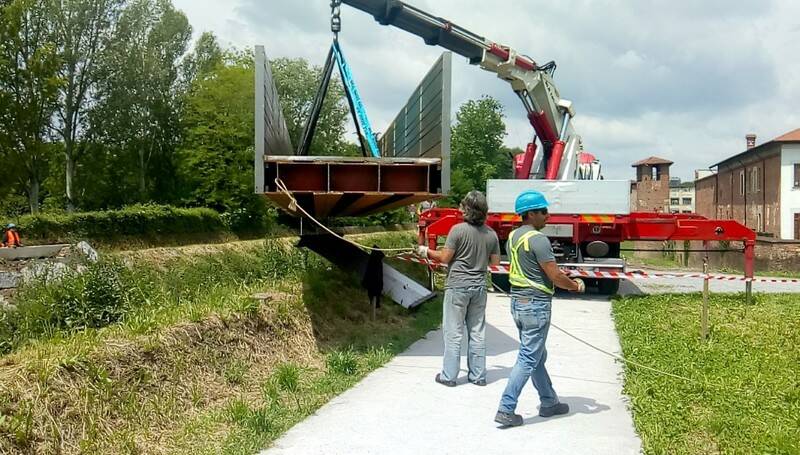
(681, 80)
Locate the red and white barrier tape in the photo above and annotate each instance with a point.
(503, 268)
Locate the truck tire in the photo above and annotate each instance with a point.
(608, 286)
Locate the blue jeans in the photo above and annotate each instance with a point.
(532, 317)
(464, 305)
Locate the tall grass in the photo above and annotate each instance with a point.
(187, 362)
(96, 295)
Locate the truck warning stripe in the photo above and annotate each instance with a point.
(597, 218)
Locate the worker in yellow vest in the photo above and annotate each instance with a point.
(533, 275)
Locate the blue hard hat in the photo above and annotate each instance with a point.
(11, 226)
(529, 200)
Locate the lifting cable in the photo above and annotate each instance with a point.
(610, 354)
(705, 384)
(294, 205)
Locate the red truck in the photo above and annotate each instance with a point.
(585, 235)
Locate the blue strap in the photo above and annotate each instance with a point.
(361, 113)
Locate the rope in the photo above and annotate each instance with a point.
(655, 370)
(294, 205)
(623, 359)
(610, 354)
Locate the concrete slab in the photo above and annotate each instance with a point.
(9, 280)
(399, 409)
(31, 252)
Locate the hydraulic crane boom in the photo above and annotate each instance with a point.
(562, 157)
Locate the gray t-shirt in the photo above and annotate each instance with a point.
(471, 247)
(539, 250)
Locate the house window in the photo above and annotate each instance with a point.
(673, 201)
(686, 201)
(759, 223)
(797, 175)
(741, 183)
(755, 184)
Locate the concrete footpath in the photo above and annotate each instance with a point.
(399, 409)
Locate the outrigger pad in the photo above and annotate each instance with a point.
(401, 289)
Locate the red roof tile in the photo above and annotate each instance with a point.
(653, 160)
(791, 136)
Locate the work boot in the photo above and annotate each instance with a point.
(508, 419)
(479, 382)
(443, 382)
(556, 409)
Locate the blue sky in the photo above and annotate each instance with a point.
(682, 80)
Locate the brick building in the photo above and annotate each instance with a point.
(650, 191)
(759, 187)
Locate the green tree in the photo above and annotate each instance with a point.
(204, 58)
(216, 156)
(138, 110)
(28, 91)
(83, 30)
(297, 85)
(477, 147)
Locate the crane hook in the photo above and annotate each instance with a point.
(336, 20)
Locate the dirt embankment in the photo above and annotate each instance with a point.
(142, 388)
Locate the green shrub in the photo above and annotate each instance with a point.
(342, 362)
(108, 291)
(137, 220)
(99, 296)
(390, 218)
(287, 376)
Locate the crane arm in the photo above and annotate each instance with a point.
(548, 113)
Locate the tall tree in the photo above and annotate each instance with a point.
(216, 157)
(477, 143)
(28, 91)
(138, 93)
(83, 31)
(297, 83)
(204, 58)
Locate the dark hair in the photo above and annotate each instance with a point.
(475, 208)
(524, 216)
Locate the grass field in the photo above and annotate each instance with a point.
(746, 394)
(169, 354)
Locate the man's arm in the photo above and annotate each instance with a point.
(558, 278)
(445, 255)
(494, 254)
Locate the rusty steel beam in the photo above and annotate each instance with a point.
(351, 186)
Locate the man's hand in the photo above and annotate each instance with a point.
(581, 286)
(422, 251)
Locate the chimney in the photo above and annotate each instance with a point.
(751, 141)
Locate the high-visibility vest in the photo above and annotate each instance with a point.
(516, 276)
(13, 238)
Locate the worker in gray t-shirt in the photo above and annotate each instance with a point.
(470, 247)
